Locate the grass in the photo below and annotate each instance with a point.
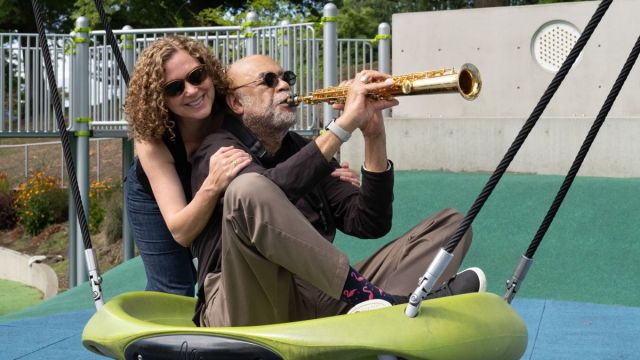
(11, 291)
(54, 240)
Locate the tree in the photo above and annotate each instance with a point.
(137, 13)
(490, 3)
(17, 16)
(356, 18)
(360, 18)
(179, 13)
(270, 12)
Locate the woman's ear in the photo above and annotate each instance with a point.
(234, 104)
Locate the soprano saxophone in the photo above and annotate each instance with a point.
(465, 81)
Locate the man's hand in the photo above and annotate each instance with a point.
(347, 174)
(360, 110)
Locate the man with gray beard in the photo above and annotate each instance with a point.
(266, 255)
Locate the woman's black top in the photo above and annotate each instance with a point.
(183, 167)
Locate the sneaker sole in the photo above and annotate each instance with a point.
(482, 279)
(369, 305)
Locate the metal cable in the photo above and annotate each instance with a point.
(528, 126)
(584, 149)
(111, 39)
(64, 134)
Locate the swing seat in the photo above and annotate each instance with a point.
(150, 325)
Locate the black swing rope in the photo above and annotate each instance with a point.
(584, 149)
(521, 270)
(437, 266)
(94, 276)
(111, 39)
(528, 126)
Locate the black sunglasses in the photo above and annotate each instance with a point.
(271, 79)
(194, 77)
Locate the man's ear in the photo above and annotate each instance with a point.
(234, 104)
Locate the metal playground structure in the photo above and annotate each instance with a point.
(93, 92)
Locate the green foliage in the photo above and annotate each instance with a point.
(358, 16)
(17, 15)
(137, 13)
(5, 187)
(112, 225)
(178, 13)
(40, 202)
(7, 212)
(270, 12)
(99, 193)
(213, 16)
(359, 19)
(87, 8)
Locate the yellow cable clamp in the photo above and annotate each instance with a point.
(246, 24)
(82, 133)
(380, 37)
(82, 30)
(326, 19)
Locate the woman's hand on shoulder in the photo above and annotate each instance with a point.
(225, 164)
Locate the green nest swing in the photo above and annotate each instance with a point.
(150, 325)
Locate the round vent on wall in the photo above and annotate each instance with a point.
(553, 42)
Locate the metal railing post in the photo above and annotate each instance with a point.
(73, 89)
(384, 53)
(127, 151)
(251, 42)
(287, 49)
(26, 162)
(80, 127)
(329, 55)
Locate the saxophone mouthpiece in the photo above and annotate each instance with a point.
(293, 100)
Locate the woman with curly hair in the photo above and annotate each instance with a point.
(174, 100)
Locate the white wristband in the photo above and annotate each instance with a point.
(341, 133)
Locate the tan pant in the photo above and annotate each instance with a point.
(277, 268)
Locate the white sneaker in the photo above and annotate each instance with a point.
(369, 305)
(467, 281)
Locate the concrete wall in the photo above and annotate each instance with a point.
(434, 132)
(15, 266)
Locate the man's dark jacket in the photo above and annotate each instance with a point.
(303, 174)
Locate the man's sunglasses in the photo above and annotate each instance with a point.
(271, 79)
(195, 77)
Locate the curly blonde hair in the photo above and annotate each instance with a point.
(148, 115)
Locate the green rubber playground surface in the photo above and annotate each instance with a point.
(588, 255)
(579, 300)
(16, 296)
